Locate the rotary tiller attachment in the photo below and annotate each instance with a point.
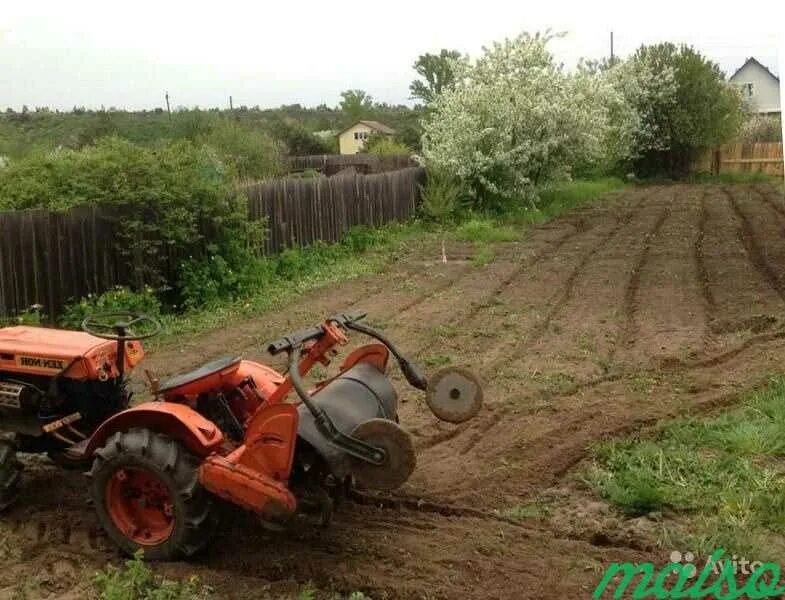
(361, 405)
(352, 421)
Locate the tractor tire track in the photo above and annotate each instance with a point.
(710, 303)
(559, 300)
(755, 254)
(765, 196)
(630, 303)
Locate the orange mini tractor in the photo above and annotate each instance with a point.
(231, 429)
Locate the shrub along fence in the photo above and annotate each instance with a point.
(51, 258)
(330, 164)
(760, 157)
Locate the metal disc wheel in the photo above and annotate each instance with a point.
(400, 461)
(454, 394)
(147, 496)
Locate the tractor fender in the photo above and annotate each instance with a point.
(180, 422)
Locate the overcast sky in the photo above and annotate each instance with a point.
(62, 54)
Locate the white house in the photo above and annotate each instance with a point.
(759, 87)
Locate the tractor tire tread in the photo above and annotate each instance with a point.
(175, 464)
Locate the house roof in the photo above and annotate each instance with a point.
(752, 60)
(375, 125)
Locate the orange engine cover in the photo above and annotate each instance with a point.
(42, 351)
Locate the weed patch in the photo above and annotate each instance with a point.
(558, 198)
(486, 230)
(483, 256)
(726, 474)
(136, 581)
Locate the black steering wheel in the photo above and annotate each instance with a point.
(117, 326)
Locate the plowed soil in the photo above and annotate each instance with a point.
(656, 302)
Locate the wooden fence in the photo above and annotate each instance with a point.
(301, 211)
(763, 157)
(330, 164)
(50, 258)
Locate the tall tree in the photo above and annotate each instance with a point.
(356, 103)
(700, 111)
(438, 70)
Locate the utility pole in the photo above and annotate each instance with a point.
(611, 48)
(168, 109)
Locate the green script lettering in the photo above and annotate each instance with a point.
(646, 570)
(722, 588)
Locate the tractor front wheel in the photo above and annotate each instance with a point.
(147, 494)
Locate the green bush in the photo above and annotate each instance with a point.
(136, 581)
(297, 139)
(295, 262)
(362, 237)
(167, 200)
(217, 278)
(117, 299)
(761, 128)
(252, 153)
(702, 112)
(442, 196)
(210, 280)
(384, 145)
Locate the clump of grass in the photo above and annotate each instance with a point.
(558, 198)
(486, 230)
(445, 330)
(437, 360)
(555, 383)
(136, 581)
(527, 510)
(725, 473)
(483, 256)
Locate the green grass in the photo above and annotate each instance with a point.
(437, 360)
(527, 510)
(306, 270)
(484, 255)
(486, 230)
(558, 198)
(724, 475)
(734, 178)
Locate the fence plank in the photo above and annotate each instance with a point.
(761, 157)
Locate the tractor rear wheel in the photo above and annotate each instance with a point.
(10, 473)
(146, 491)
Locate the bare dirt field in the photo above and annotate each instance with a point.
(658, 301)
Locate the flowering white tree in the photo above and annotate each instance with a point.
(516, 119)
(646, 92)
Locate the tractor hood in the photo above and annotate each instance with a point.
(42, 351)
